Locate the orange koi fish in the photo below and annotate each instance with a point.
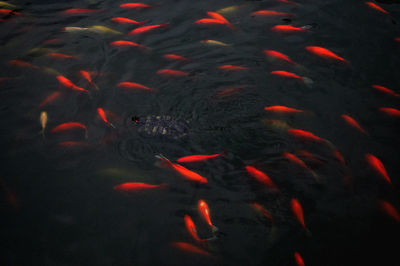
(52, 97)
(298, 212)
(175, 57)
(69, 126)
(21, 63)
(72, 144)
(229, 91)
(282, 109)
(86, 75)
(262, 210)
(102, 115)
(197, 158)
(390, 111)
(287, 29)
(325, 53)
(132, 187)
(270, 13)
(190, 226)
(8, 12)
(205, 213)
(308, 155)
(231, 67)
(78, 11)
(190, 248)
(298, 259)
(122, 20)
(144, 29)
(126, 44)
(376, 7)
(217, 16)
(61, 56)
(261, 177)
(286, 74)
(349, 120)
(210, 21)
(134, 5)
(377, 166)
(385, 90)
(287, 2)
(278, 55)
(68, 84)
(390, 210)
(186, 173)
(171, 72)
(305, 135)
(134, 86)
(338, 156)
(294, 159)
(53, 41)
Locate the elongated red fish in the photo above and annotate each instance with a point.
(122, 20)
(305, 135)
(190, 248)
(278, 55)
(52, 97)
(175, 57)
(205, 214)
(385, 90)
(103, 116)
(298, 259)
(191, 227)
(390, 210)
(122, 43)
(376, 7)
(325, 53)
(282, 109)
(68, 126)
(61, 56)
(78, 11)
(287, 29)
(262, 210)
(349, 120)
(72, 144)
(197, 158)
(134, 5)
(286, 74)
(378, 167)
(134, 86)
(261, 177)
(132, 186)
(144, 29)
(231, 67)
(390, 111)
(298, 212)
(270, 13)
(68, 84)
(186, 173)
(86, 75)
(172, 72)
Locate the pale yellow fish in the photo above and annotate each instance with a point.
(39, 51)
(214, 42)
(227, 10)
(51, 71)
(43, 121)
(74, 29)
(8, 5)
(103, 29)
(276, 124)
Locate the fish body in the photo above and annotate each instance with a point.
(103, 29)
(282, 109)
(385, 90)
(132, 187)
(144, 29)
(324, 53)
(262, 210)
(298, 212)
(270, 13)
(43, 121)
(390, 111)
(376, 7)
(79, 11)
(191, 227)
(231, 67)
(126, 44)
(190, 248)
(390, 210)
(298, 259)
(287, 29)
(103, 116)
(261, 177)
(175, 57)
(378, 166)
(172, 73)
(52, 97)
(278, 55)
(215, 43)
(349, 120)
(134, 5)
(186, 173)
(133, 86)
(122, 20)
(204, 211)
(197, 158)
(68, 84)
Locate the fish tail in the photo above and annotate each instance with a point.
(214, 229)
(308, 232)
(309, 82)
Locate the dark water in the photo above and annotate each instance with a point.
(58, 205)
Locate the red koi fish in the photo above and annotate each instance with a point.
(349, 120)
(298, 212)
(72, 144)
(305, 135)
(270, 13)
(205, 213)
(144, 29)
(8, 12)
(261, 177)
(232, 67)
(282, 109)
(298, 259)
(190, 248)
(134, 86)
(385, 90)
(52, 97)
(197, 158)
(132, 187)
(296, 160)
(134, 5)
(262, 210)
(278, 55)
(376, 7)
(171, 72)
(53, 41)
(218, 16)
(191, 227)
(102, 115)
(78, 11)
(287, 29)
(378, 167)
(175, 57)
(325, 53)
(21, 63)
(338, 156)
(210, 21)
(390, 210)
(287, 2)
(122, 20)
(68, 126)
(308, 156)
(390, 111)
(68, 84)
(61, 56)
(397, 39)
(86, 75)
(186, 173)
(229, 91)
(126, 44)
(286, 74)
